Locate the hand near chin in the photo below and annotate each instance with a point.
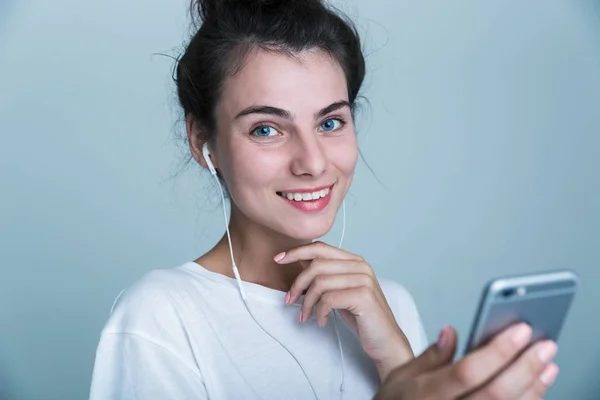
(335, 279)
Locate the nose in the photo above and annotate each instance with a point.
(309, 157)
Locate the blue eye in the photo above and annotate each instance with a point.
(331, 124)
(264, 131)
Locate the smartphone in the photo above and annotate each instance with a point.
(542, 300)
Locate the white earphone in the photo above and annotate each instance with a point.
(236, 273)
(206, 155)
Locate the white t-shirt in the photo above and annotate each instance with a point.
(185, 333)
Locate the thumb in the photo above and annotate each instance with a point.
(435, 356)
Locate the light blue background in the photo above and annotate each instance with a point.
(484, 128)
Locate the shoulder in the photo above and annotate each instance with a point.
(406, 313)
(144, 351)
(151, 303)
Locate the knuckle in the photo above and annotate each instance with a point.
(320, 283)
(317, 266)
(301, 281)
(363, 265)
(294, 288)
(367, 281)
(322, 310)
(327, 299)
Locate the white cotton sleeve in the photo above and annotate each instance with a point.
(423, 340)
(144, 351)
(407, 316)
(129, 367)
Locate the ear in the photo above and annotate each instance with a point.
(194, 135)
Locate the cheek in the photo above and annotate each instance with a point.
(250, 172)
(344, 155)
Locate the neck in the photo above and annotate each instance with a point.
(254, 247)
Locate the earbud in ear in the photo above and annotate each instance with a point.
(206, 155)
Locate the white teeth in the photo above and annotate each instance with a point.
(306, 196)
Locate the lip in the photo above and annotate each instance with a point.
(311, 206)
(311, 190)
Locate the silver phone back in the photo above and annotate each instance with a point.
(541, 300)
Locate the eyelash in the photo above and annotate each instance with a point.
(340, 119)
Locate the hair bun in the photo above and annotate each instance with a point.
(205, 9)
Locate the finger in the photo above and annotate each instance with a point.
(520, 376)
(314, 250)
(346, 299)
(541, 385)
(322, 267)
(435, 356)
(478, 367)
(327, 283)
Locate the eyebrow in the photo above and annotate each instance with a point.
(279, 112)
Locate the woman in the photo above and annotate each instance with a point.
(268, 89)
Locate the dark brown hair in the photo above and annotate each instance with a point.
(229, 30)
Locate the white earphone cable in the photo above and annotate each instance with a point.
(245, 299)
(243, 293)
(335, 313)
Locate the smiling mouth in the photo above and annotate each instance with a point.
(305, 196)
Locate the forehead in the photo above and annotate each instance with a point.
(301, 83)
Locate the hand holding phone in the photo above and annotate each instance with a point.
(501, 362)
(503, 369)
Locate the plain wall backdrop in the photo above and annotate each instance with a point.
(483, 129)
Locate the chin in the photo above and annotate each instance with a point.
(309, 229)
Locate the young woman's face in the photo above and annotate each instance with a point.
(286, 145)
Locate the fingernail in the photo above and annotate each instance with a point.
(547, 351)
(287, 298)
(521, 335)
(443, 338)
(548, 376)
(279, 256)
(300, 317)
